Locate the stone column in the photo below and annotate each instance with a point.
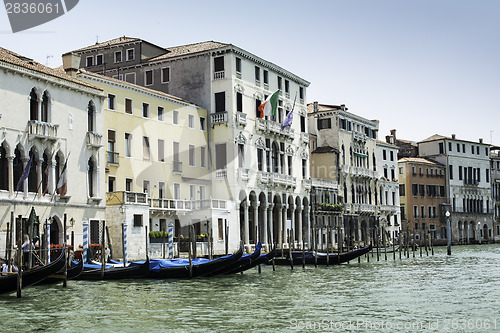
(246, 236)
(39, 186)
(270, 223)
(10, 162)
(256, 222)
(280, 224)
(52, 176)
(264, 239)
(283, 223)
(292, 217)
(299, 232)
(308, 223)
(25, 182)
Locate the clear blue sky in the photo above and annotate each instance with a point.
(422, 67)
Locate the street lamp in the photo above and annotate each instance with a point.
(479, 231)
(448, 231)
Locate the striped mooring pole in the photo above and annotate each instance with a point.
(124, 228)
(171, 241)
(85, 240)
(47, 228)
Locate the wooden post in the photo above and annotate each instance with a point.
(385, 243)
(340, 241)
(393, 245)
(289, 234)
(7, 240)
(269, 241)
(210, 240)
(431, 245)
(147, 244)
(256, 241)
(189, 247)
(407, 244)
(316, 247)
(72, 239)
(108, 239)
(420, 242)
(399, 243)
(19, 241)
(426, 240)
(9, 244)
(65, 271)
(123, 245)
(226, 239)
(327, 245)
(378, 243)
(163, 242)
(303, 251)
(414, 245)
(103, 249)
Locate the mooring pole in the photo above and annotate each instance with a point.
(65, 271)
(19, 241)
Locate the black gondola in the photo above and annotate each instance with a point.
(173, 270)
(8, 283)
(245, 260)
(73, 272)
(262, 259)
(323, 258)
(116, 273)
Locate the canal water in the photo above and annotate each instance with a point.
(458, 293)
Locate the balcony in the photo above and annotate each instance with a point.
(221, 174)
(113, 157)
(388, 209)
(42, 130)
(241, 118)
(306, 184)
(304, 138)
(94, 139)
(323, 183)
(273, 127)
(264, 177)
(471, 182)
(243, 174)
(177, 167)
(162, 206)
(123, 197)
(278, 179)
(221, 75)
(219, 118)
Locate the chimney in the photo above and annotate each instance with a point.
(453, 136)
(315, 107)
(480, 140)
(71, 63)
(393, 134)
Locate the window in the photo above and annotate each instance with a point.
(220, 226)
(118, 56)
(111, 102)
(111, 184)
(241, 156)
(177, 191)
(422, 190)
(463, 147)
(280, 83)
(146, 153)
(414, 189)
(192, 192)
(90, 116)
(146, 187)
(192, 158)
(429, 211)
(129, 186)
(175, 117)
(302, 124)
(130, 78)
(130, 54)
(301, 92)
(238, 65)
(201, 189)
(472, 149)
(257, 112)
(486, 151)
(257, 74)
(400, 171)
(487, 175)
(220, 102)
(392, 155)
(458, 147)
(402, 190)
(145, 110)
(203, 157)
(324, 123)
(304, 168)
(451, 171)
(415, 213)
(165, 75)
(290, 165)
(239, 102)
(384, 154)
(89, 61)
(148, 77)
(459, 172)
(161, 190)
(441, 148)
(266, 77)
(287, 86)
(260, 156)
(191, 121)
(218, 64)
(112, 156)
(161, 113)
(161, 150)
(422, 211)
(220, 156)
(137, 220)
(449, 146)
(128, 106)
(128, 145)
(203, 124)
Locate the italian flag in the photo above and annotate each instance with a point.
(270, 105)
(62, 185)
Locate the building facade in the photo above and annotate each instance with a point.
(495, 189)
(468, 185)
(50, 119)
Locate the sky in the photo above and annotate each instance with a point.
(421, 67)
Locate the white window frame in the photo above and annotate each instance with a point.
(114, 102)
(162, 113)
(203, 156)
(87, 61)
(121, 57)
(175, 114)
(161, 153)
(149, 148)
(125, 106)
(97, 56)
(128, 74)
(133, 54)
(131, 183)
(162, 77)
(191, 121)
(152, 78)
(174, 187)
(148, 110)
(192, 192)
(114, 179)
(203, 125)
(128, 143)
(146, 187)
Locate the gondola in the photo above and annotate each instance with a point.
(72, 273)
(245, 260)
(116, 273)
(179, 268)
(8, 283)
(323, 258)
(262, 259)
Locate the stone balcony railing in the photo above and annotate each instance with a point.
(277, 179)
(306, 184)
(273, 127)
(218, 118)
(324, 183)
(304, 137)
(94, 139)
(42, 130)
(113, 157)
(241, 118)
(243, 174)
(221, 75)
(221, 174)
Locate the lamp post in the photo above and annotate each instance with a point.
(448, 232)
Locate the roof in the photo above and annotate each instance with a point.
(22, 61)
(436, 137)
(421, 160)
(158, 92)
(323, 150)
(116, 41)
(380, 142)
(189, 49)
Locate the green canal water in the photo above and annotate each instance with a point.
(440, 293)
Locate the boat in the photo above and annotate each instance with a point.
(72, 273)
(262, 259)
(322, 257)
(8, 283)
(245, 260)
(180, 268)
(116, 273)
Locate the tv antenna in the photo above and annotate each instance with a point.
(47, 59)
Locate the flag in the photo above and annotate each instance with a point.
(270, 105)
(25, 174)
(62, 185)
(289, 117)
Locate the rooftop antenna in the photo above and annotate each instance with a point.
(491, 137)
(47, 60)
(97, 39)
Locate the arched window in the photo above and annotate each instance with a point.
(33, 105)
(275, 158)
(91, 176)
(45, 174)
(45, 107)
(18, 166)
(32, 175)
(4, 169)
(91, 117)
(58, 168)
